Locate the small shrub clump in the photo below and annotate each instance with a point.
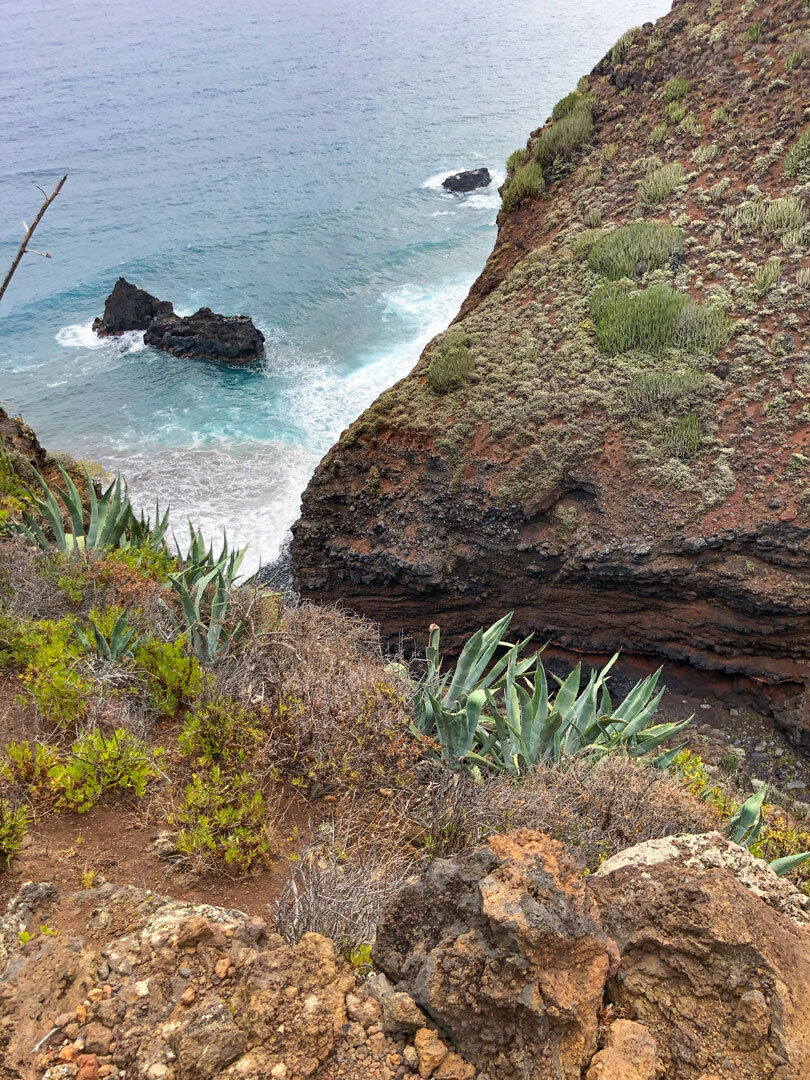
(796, 165)
(13, 826)
(766, 276)
(527, 181)
(682, 437)
(663, 391)
(642, 244)
(675, 89)
(451, 363)
(653, 319)
(517, 158)
(562, 139)
(659, 184)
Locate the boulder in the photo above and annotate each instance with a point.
(503, 950)
(629, 1053)
(129, 308)
(719, 978)
(712, 851)
(467, 181)
(206, 335)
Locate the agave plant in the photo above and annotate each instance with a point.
(502, 715)
(745, 826)
(122, 642)
(210, 638)
(199, 559)
(112, 520)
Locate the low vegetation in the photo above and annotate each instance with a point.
(451, 363)
(527, 180)
(634, 248)
(659, 184)
(560, 141)
(654, 319)
(797, 159)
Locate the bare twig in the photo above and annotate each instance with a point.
(29, 232)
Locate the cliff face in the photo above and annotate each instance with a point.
(612, 439)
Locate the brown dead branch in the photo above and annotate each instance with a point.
(29, 232)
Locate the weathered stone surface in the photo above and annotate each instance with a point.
(504, 951)
(129, 308)
(467, 181)
(720, 979)
(708, 851)
(629, 1053)
(206, 335)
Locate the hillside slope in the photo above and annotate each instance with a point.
(612, 438)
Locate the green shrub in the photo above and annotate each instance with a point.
(517, 158)
(663, 391)
(566, 105)
(766, 276)
(28, 766)
(796, 59)
(682, 437)
(754, 32)
(705, 154)
(451, 363)
(797, 159)
(622, 46)
(691, 125)
(617, 254)
(771, 217)
(221, 732)
(13, 826)
(721, 115)
(174, 679)
(98, 763)
(675, 112)
(609, 151)
(659, 184)
(527, 181)
(659, 133)
(675, 89)
(50, 657)
(653, 319)
(222, 822)
(564, 138)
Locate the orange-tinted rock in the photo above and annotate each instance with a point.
(628, 1054)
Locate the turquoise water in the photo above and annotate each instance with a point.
(278, 160)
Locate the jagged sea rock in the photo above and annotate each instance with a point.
(206, 335)
(467, 181)
(719, 978)
(504, 951)
(129, 308)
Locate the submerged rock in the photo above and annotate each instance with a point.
(129, 308)
(205, 334)
(468, 181)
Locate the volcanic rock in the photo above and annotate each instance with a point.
(467, 181)
(720, 979)
(206, 335)
(129, 308)
(503, 950)
(615, 495)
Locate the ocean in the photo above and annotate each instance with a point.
(278, 160)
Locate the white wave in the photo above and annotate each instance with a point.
(481, 199)
(82, 336)
(434, 183)
(443, 213)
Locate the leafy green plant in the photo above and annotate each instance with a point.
(766, 276)
(562, 139)
(51, 662)
(221, 732)
(682, 437)
(662, 391)
(112, 644)
(622, 46)
(517, 158)
(451, 362)
(659, 133)
(653, 319)
(208, 633)
(675, 89)
(796, 59)
(174, 678)
(659, 184)
(705, 153)
(13, 827)
(675, 112)
(746, 826)
(112, 520)
(222, 821)
(501, 715)
(200, 560)
(721, 115)
(98, 763)
(567, 105)
(796, 165)
(754, 32)
(648, 244)
(526, 181)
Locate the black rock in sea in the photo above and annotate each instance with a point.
(468, 181)
(129, 308)
(231, 338)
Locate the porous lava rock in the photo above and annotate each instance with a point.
(649, 499)
(504, 951)
(719, 978)
(206, 335)
(467, 181)
(129, 308)
(629, 1053)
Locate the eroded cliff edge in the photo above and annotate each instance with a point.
(625, 468)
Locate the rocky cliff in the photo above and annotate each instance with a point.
(612, 438)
